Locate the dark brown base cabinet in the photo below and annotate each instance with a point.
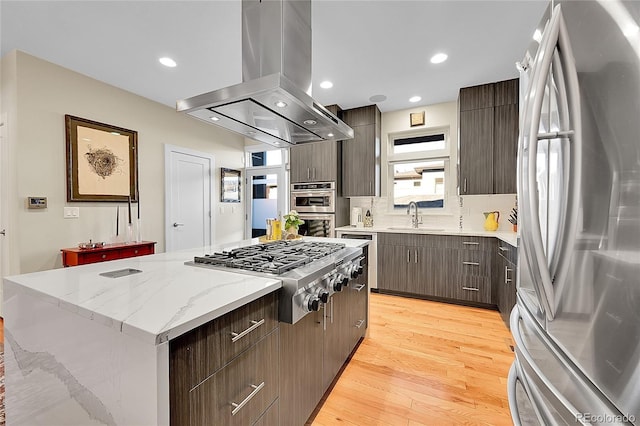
(440, 266)
(506, 258)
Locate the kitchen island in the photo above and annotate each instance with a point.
(83, 348)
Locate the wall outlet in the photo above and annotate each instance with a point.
(71, 212)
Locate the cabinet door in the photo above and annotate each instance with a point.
(300, 163)
(476, 151)
(358, 292)
(506, 92)
(426, 274)
(358, 162)
(476, 97)
(392, 267)
(336, 336)
(505, 149)
(301, 351)
(324, 162)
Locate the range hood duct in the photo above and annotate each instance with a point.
(273, 104)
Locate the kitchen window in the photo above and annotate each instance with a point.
(418, 170)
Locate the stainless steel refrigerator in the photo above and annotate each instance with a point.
(576, 324)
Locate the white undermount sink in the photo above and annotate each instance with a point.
(410, 228)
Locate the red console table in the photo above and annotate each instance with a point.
(77, 256)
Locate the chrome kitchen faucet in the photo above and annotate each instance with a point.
(414, 220)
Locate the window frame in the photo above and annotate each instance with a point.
(443, 154)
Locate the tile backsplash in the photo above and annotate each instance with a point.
(464, 212)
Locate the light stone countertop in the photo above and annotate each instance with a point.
(165, 300)
(508, 237)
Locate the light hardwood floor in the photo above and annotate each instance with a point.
(424, 363)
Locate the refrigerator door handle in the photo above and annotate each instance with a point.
(556, 35)
(512, 381)
(531, 235)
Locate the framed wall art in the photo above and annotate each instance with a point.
(102, 161)
(230, 186)
(416, 119)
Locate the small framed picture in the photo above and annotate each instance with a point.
(230, 186)
(416, 119)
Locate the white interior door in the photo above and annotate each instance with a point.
(188, 189)
(4, 196)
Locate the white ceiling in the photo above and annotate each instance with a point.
(366, 48)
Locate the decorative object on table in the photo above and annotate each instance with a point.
(292, 222)
(230, 185)
(368, 219)
(90, 245)
(491, 220)
(130, 224)
(416, 119)
(274, 230)
(513, 218)
(102, 161)
(138, 223)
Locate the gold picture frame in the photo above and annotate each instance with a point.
(416, 119)
(102, 161)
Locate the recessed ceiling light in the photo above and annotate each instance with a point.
(438, 58)
(214, 118)
(630, 30)
(281, 104)
(326, 84)
(537, 36)
(330, 135)
(415, 99)
(167, 62)
(378, 98)
(310, 122)
(250, 133)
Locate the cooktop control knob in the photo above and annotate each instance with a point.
(323, 295)
(311, 303)
(356, 271)
(338, 282)
(345, 281)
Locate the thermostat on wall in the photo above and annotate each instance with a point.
(36, 202)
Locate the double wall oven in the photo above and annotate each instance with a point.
(316, 204)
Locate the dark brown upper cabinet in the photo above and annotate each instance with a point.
(488, 138)
(361, 155)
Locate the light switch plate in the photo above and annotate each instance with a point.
(71, 212)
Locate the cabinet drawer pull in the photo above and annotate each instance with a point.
(135, 252)
(360, 323)
(308, 173)
(237, 336)
(471, 263)
(408, 256)
(471, 243)
(502, 248)
(360, 287)
(465, 185)
(470, 288)
(254, 392)
(104, 256)
(507, 280)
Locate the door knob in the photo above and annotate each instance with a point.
(176, 224)
(3, 232)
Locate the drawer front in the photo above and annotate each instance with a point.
(507, 251)
(471, 288)
(471, 243)
(135, 251)
(242, 391)
(101, 256)
(271, 417)
(223, 339)
(473, 262)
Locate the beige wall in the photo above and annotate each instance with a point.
(45, 93)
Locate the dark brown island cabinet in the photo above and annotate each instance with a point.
(246, 368)
(488, 138)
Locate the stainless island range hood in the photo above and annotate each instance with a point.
(273, 103)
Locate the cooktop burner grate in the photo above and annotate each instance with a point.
(275, 257)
